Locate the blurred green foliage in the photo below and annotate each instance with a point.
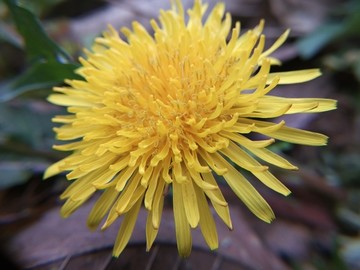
(39, 7)
(38, 44)
(336, 45)
(340, 35)
(48, 63)
(25, 119)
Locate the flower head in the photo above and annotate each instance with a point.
(170, 112)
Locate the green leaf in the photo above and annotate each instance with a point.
(38, 44)
(50, 64)
(39, 6)
(40, 75)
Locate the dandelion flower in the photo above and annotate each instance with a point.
(172, 112)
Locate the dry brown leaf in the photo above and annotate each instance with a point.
(53, 238)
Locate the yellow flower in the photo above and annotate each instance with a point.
(170, 111)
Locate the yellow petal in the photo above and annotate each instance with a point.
(151, 231)
(290, 77)
(149, 196)
(199, 182)
(102, 181)
(111, 217)
(268, 111)
(272, 158)
(301, 105)
(288, 134)
(54, 169)
(178, 173)
(207, 223)
(165, 171)
(121, 180)
(101, 207)
(299, 136)
(158, 204)
(97, 162)
(276, 45)
(246, 192)
(242, 140)
(78, 186)
(84, 193)
(120, 164)
(190, 203)
(126, 229)
(73, 146)
(240, 157)
(218, 201)
(208, 160)
(70, 206)
(127, 193)
(65, 100)
(65, 119)
(182, 227)
(139, 192)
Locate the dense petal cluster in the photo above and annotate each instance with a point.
(170, 112)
